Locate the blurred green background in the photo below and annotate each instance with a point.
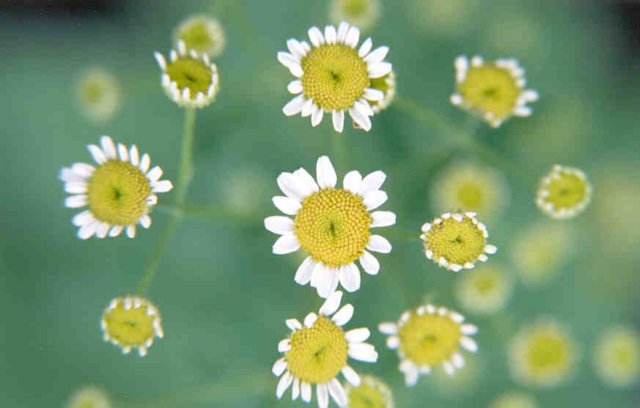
(222, 294)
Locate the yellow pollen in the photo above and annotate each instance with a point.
(190, 73)
(318, 353)
(333, 226)
(458, 242)
(567, 191)
(131, 327)
(370, 394)
(118, 193)
(489, 88)
(335, 76)
(429, 339)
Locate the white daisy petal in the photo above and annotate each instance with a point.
(325, 173)
(379, 69)
(286, 205)
(327, 283)
(123, 152)
(145, 221)
(145, 163)
(290, 186)
(369, 263)
(343, 28)
(306, 180)
(108, 147)
(350, 277)
(337, 392)
(296, 48)
(286, 244)
(353, 36)
(377, 55)
(357, 335)
(295, 87)
(375, 199)
(279, 225)
(284, 384)
(82, 218)
(76, 188)
(365, 47)
(352, 181)
(134, 155)
(322, 395)
(131, 231)
(307, 108)
(337, 117)
(294, 106)
(351, 376)
(363, 352)
(363, 107)
(305, 271)
(388, 328)
(316, 116)
(332, 304)
(372, 182)
(116, 230)
(97, 154)
(382, 219)
(88, 230)
(373, 94)
(279, 367)
(154, 174)
(330, 34)
(76, 201)
(162, 186)
(361, 119)
(378, 243)
(295, 389)
(343, 315)
(315, 35)
(305, 392)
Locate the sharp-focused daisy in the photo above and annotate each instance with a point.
(429, 337)
(456, 241)
(542, 354)
(564, 193)
(316, 352)
(617, 357)
(331, 225)
(98, 94)
(131, 322)
(371, 393)
(493, 90)
(540, 250)
(201, 33)
(188, 77)
(470, 187)
(361, 13)
(514, 400)
(89, 397)
(119, 191)
(334, 76)
(484, 290)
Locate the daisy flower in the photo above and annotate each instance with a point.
(89, 397)
(188, 77)
(334, 76)
(331, 225)
(494, 90)
(361, 13)
(542, 354)
(317, 350)
(371, 393)
(456, 241)
(429, 337)
(484, 290)
(131, 322)
(119, 191)
(201, 33)
(564, 193)
(98, 94)
(617, 357)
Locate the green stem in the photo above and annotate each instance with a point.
(185, 172)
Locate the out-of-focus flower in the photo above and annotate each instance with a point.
(617, 357)
(484, 290)
(98, 94)
(201, 33)
(361, 13)
(371, 393)
(89, 397)
(514, 400)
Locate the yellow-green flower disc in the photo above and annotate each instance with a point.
(542, 354)
(131, 322)
(98, 94)
(514, 400)
(564, 193)
(89, 397)
(371, 393)
(616, 358)
(484, 290)
(361, 13)
(203, 34)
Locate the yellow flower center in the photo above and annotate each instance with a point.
(369, 395)
(317, 353)
(93, 92)
(568, 191)
(118, 193)
(470, 196)
(458, 242)
(196, 35)
(131, 327)
(429, 339)
(355, 7)
(485, 283)
(190, 73)
(335, 76)
(333, 226)
(489, 88)
(549, 352)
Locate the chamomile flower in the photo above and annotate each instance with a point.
(334, 76)
(119, 192)
(98, 94)
(331, 225)
(542, 354)
(514, 400)
(484, 290)
(564, 193)
(429, 337)
(188, 77)
(470, 187)
(386, 84)
(617, 357)
(493, 90)
(89, 397)
(201, 33)
(361, 13)
(131, 322)
(317, 351)
(371, 393)
(456, 241)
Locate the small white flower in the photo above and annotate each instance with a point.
(564, 193)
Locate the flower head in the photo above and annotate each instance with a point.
(361, 13)
(317, 350)
(514, 400)
(542, 354)
(564, 193)
(331, 225)
(98, 94)
(470, 187)
(201, 33)
(456, 241)
(119, 191)
(89, 397)
(617, 357)
(494, 90)
(484, 290)
(188, 77)
(334, 76)
(131, 322)
(371, 393)
(429, 337)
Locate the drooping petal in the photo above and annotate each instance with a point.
(325, 173)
